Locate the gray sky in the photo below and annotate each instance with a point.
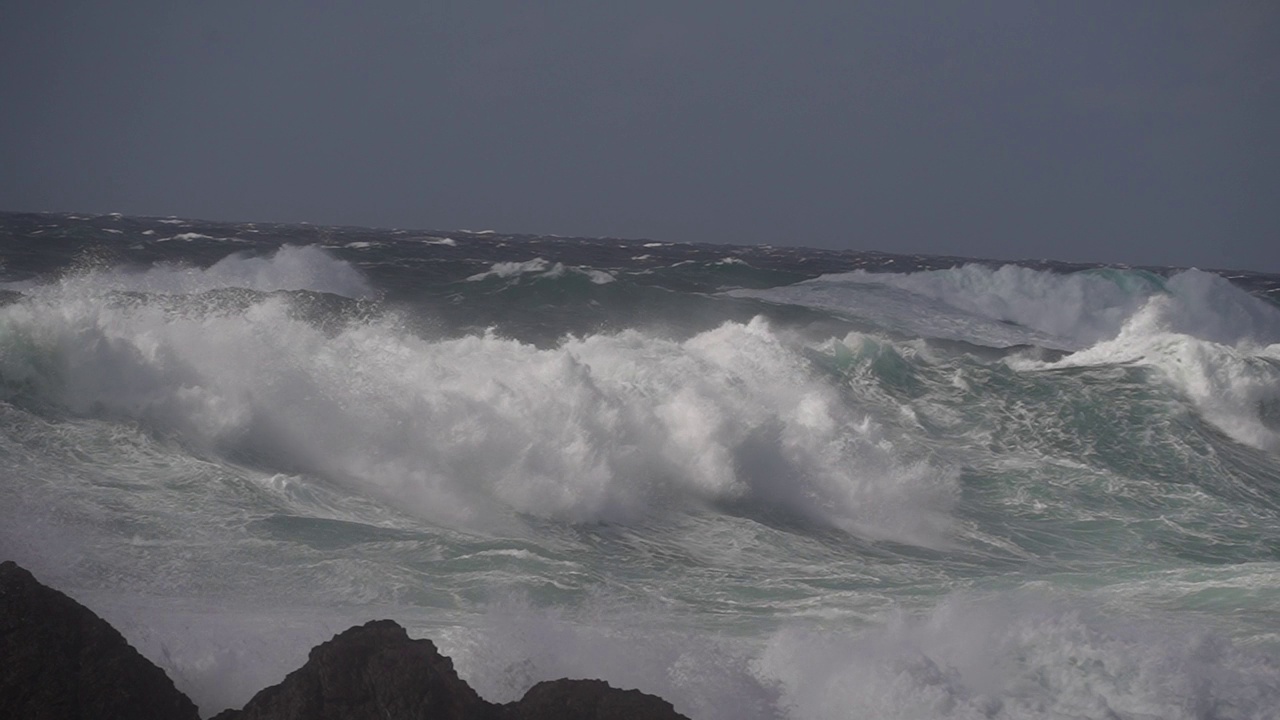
(1143, 132)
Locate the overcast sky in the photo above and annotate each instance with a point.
(1141, 132)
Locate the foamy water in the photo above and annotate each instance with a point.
(977, 491)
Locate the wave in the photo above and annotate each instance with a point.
(1234, 385)
(1017, 305)
(1079, 308)
(540, 268)
(305, 267)
(1217, 344)
(466, 431)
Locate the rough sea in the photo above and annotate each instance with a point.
(761, 482)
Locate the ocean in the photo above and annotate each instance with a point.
(761, 482)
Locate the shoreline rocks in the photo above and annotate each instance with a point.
(60, 660)
(371, 671)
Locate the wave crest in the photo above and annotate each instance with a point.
(291, 267)
(604, 428)
(1014, 305)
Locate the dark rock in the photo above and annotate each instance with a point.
(373, 671)
(59, 660)
(587, 700)
(376, 672)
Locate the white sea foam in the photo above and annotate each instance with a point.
(540, 268)
(289, 268)
(1020, 656)
(605, 428)
(599, 277)
(512, 269)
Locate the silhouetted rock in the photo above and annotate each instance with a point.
(376, 672)
(59, 660)
(373, 671)
(587, 700)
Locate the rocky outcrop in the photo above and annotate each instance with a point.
(376, 672)
(371, 672)
(587, 700)
(58, 660)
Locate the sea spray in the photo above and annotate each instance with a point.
(607, 428)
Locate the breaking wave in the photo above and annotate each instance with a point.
(1019, 305)
(465, 431)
